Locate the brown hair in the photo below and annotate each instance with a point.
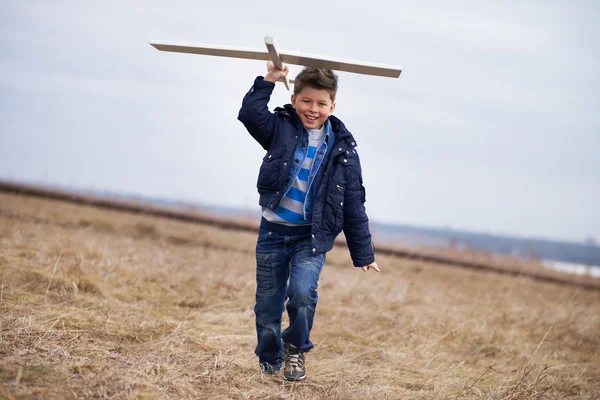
(317, 78)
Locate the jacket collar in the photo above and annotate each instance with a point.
(338, 127)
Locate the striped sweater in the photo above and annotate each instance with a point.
(291, 208)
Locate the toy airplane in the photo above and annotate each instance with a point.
(280, 57)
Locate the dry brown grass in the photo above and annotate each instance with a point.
(104, 304)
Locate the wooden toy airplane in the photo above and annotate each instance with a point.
(280, 57)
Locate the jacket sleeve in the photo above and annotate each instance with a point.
(356, 222)
(255, 114)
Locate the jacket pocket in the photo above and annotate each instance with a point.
(269, 176)
(341, 168)
(334, 212)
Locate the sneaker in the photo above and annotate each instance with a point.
(293, 363)
(268, 369)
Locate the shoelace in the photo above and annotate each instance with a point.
(294, 361)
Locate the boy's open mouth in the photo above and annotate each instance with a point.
(311, 118)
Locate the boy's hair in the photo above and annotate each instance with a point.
(317, 78)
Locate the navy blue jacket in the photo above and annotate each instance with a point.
(339, 199)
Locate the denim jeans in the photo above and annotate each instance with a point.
(281, 257)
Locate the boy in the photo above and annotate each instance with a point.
(310, 187)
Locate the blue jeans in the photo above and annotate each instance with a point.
(280, 257)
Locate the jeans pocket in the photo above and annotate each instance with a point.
(265, 273)
(264, 236)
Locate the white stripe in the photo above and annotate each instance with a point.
(308, 162)
(301, 185)
(272, 217)
(292, 205)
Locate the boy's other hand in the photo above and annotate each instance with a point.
(273, 74)
(373, 265)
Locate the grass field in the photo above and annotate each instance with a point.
(105, 304)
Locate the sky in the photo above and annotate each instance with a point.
(493, 126)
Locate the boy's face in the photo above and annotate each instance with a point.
(313, 106)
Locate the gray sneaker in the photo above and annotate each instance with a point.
(293, 363)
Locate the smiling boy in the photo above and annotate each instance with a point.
(311, 188)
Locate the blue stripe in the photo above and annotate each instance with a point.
(296, 194)
(288, 215)
(303, 175)
(311, 152)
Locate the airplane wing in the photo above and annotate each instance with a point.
(339, 64)
(288, 57)
(212, 50)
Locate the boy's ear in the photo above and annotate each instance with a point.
(293, 100)
(332, 108)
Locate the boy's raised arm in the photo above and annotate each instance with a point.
(255, 114)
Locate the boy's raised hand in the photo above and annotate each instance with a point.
(373, 266)
(273, 74)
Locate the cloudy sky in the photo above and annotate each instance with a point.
(493, 125)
